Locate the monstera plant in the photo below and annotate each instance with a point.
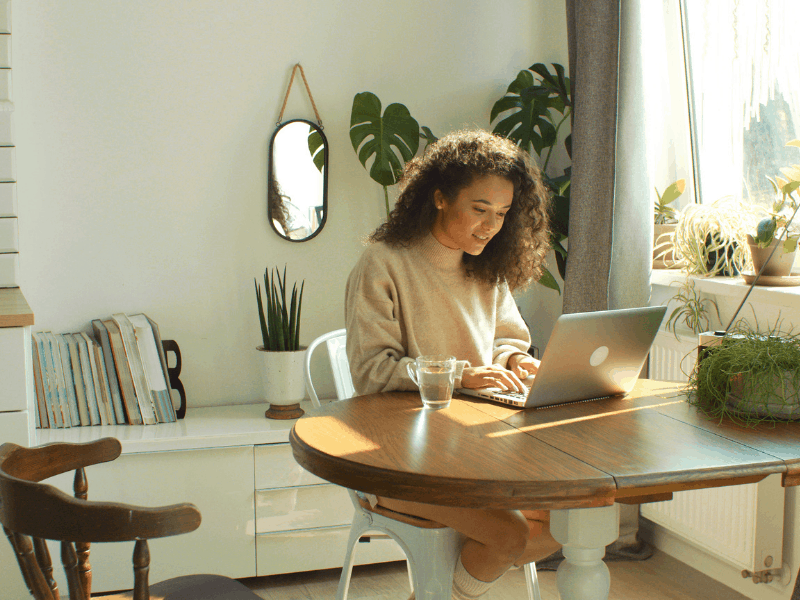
(391, 138)
(531, 113)
(534, 108)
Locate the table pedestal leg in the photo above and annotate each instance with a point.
(584, 534)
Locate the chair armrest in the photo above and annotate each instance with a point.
(42, 462)
(56, 515)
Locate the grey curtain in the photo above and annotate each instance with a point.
(610, 223)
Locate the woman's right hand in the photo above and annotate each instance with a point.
(492, 376)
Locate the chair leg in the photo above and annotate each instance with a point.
(356, 531)
(431, 562)
(532, 581)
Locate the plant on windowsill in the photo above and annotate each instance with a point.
(772, 243)
(749, 376)
(693, 310)
(711, 239)
(282, 355)
(665, 220)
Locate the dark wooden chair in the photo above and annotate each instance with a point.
(32, 512)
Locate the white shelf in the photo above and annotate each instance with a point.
(213, 427)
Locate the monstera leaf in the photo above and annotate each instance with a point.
(316, 146)
(529, 109)
(391, 138)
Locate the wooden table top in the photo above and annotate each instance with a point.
(634, 449)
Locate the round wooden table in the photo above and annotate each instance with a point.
(579, 460)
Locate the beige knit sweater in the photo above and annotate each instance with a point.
(401, 303)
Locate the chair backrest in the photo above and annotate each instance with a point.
(337, 354)
(32, 512)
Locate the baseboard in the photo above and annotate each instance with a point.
(711, 566)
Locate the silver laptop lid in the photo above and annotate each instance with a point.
(594, 354)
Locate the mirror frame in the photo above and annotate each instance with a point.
(324, 179)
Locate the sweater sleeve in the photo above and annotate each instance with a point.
(511, 335)
(375, 348)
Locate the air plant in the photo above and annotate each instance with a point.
(692, 310)
(711, 239)
(280, 321)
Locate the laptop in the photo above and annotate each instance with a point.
(589, 356)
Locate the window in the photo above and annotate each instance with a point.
(743, 68)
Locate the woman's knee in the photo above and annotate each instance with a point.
(512, 535)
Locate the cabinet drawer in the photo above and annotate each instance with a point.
(302, 507)
(13, 394)
(276, 468)
(316, 549)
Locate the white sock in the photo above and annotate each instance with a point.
(467, 587)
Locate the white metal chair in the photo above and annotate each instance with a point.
(431, 549)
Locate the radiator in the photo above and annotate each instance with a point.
(742, 525)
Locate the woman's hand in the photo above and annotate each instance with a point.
(493, 376)
(523, 365)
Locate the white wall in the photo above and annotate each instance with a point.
(142, 136)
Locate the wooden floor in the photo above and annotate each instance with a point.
(659, 578)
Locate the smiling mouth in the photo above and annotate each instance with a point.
(483, 239)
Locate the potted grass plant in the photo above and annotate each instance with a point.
(282, 355)
(749, 376)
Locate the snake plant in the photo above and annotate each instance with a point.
(280, 321)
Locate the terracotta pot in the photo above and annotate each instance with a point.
(284, 382)
(780, 265)
(663, 256)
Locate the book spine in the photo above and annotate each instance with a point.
(41, 407)
(101, 332)
(77, 376)
(58, 374)
(51, 395)
(137, 372)
(98, 393)
(162, 356)
(69, 382)
(88, 380)
(102, 377)
(123, 369)
(145, 342)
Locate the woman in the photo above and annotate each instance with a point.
(469, 226)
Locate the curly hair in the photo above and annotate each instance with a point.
(516, 253)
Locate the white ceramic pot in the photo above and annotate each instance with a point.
(781, 402)
(282, 374)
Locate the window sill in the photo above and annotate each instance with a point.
(733, 287)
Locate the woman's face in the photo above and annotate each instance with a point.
(468, 221)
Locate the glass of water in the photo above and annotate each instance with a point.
(434, 375)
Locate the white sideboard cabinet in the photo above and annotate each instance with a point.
(262, 513)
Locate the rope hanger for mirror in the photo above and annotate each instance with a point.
(308, 89)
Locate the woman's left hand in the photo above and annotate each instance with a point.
(523, 365)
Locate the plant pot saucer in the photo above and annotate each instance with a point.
(283, 412)
(773, 280)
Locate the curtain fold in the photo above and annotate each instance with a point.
(610, 225)
(593, 39)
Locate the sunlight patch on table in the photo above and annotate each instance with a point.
(539, 426)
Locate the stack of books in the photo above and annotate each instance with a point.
(116, 376)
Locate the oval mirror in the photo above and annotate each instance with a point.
(297, 180)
